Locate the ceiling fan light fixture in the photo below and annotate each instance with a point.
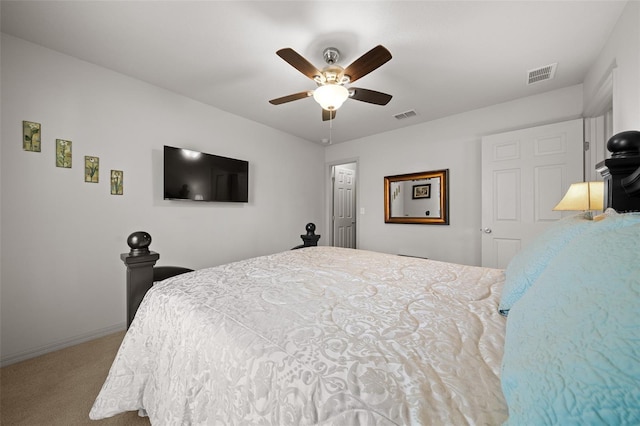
(331, 96)
(331, 92)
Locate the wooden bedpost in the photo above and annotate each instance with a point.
(621, 172)
(140, 262)
(310, 239)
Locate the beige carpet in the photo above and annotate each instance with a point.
(59, 388)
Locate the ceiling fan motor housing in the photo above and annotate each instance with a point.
(332, 74)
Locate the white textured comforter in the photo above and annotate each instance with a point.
(320, 335)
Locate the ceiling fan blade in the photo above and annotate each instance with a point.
(328, 115)
(368, 62)
(294, 59)
(370, 96)
(289, 98)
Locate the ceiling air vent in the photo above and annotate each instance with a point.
(541, 74)
(406, 114)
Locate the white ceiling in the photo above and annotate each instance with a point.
(448, 56)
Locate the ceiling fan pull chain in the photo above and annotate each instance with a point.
(330, 128)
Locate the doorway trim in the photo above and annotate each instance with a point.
(603, 99)
(329, 196)
(599, 123)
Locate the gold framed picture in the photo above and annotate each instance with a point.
(91, 169)
(117, 177)
(31, 136)
(63, 153)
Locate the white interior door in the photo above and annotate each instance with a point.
(524, 175)
(344, 197)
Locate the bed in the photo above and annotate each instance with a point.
(331, 336)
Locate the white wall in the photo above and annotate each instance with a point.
(454, 143)
(622, 54)
(450, 143)
(62, 280)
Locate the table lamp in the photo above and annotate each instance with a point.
(583, 196)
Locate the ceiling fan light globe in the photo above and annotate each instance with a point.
(331, 96)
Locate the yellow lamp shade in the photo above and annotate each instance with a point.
(583, 196)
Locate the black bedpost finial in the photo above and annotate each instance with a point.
(310, 239)
(139, 243)
(140, 262)
(621, 172)
(311, 228)
(624, 144)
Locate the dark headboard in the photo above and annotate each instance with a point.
(621, 172)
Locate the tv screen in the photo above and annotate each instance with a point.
(192, 175)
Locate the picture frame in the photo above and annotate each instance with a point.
(421, 191)
(31, 136)
(63, 153)
(433, 211)
(91, 169)
(117, 181)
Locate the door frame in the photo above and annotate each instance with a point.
(329, 196)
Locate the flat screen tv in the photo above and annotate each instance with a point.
(197, 176)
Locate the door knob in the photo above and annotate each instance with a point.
(486, 230)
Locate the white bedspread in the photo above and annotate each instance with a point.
(320, 335)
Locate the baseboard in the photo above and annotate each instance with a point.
(61, 344)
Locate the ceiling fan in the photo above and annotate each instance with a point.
(332, 80)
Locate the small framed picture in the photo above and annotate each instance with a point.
(63, 153)
(31, 136)
(116, 182)
(421, 191)
(91, 169)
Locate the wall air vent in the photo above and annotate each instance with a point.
(542, 74)
(406, 114)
